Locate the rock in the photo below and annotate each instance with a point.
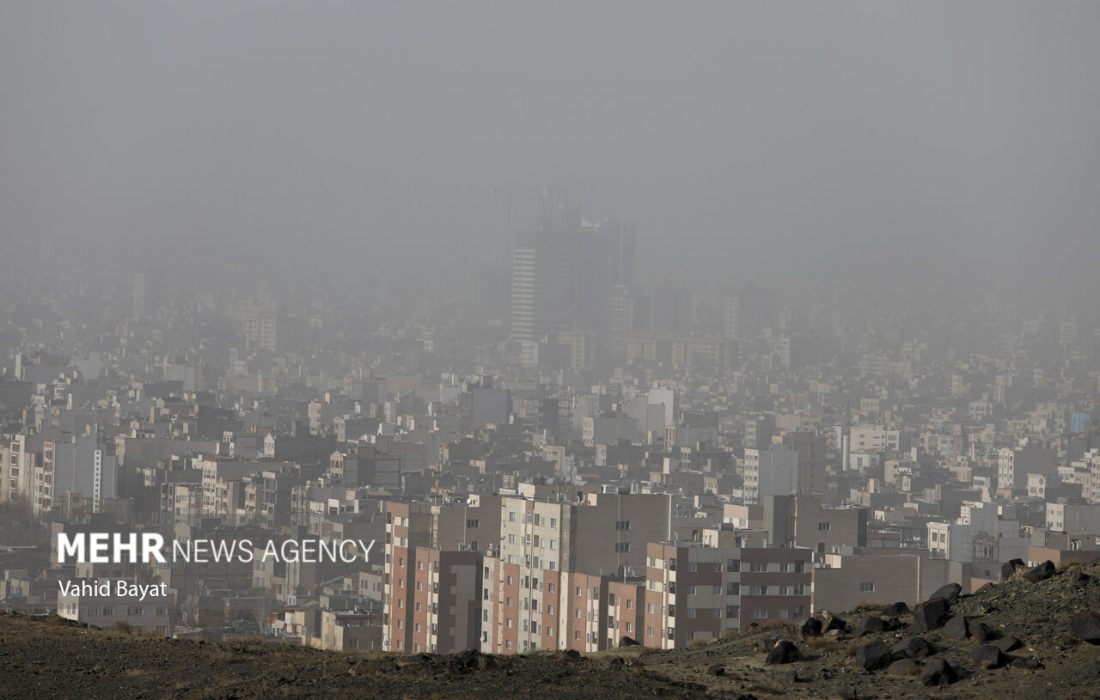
(812, 627)
(957, 627)
(988, 656)
(950, 593)
(784, 652)
(1026, 663)
(895, 609)
(1086, 627)
(833, 622)
(930, 615)
(937, 672)
(983, 633)
(1041, 572)
(571, 654)
(615, 663)
(1008, 643)
(1080, 579)
(629, 642)
(1010, 567)
(716, 670)
(903, 667)
(873, 656)
(913, 648)
(870, 625)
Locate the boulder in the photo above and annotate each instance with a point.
(812, 627)
(1080, 579)
(949, 592)
(1041, 572)
(834, 622)
(1086, 627)
(1025, 662)
(870, 625)
(1010, 567)
(873, 656)
(716, 670)
(937, 672)
(983, 633)
(988, 656)
(1008, 643)
(903, 667)
(895, 609)
(931, 615)
(957, 627)
(616, 663)
(913, 648)
(629, 642)
(784, 652)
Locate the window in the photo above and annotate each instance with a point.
(622, 524)
(867, 587)
(472, 524)
(824, 527)
(622, 547)
(732, 611)
(512, 516)
(733, 589)
(733, 565)
(759, 614)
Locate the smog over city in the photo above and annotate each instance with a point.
(559, 349)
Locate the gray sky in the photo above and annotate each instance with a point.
(834, 141)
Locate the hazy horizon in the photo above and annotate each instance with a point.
(846, 145)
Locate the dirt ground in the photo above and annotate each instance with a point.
(51, 658)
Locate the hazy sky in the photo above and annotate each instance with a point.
(831, 140)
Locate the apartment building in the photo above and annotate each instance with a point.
(697, 592)
(447, 601)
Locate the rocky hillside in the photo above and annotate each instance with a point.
(1033, 635)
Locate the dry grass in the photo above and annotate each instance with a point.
(823, 644)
